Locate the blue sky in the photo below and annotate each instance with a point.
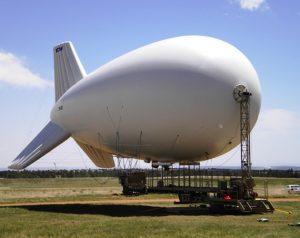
(266, 31)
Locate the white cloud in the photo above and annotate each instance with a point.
(14, 72)
(276, 138)
(252, 5)
(276, 122)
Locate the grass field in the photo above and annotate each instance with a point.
(151, 218)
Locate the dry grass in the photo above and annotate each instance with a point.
(154, 219)
(140, 221)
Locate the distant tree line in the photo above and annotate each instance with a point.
(76, 173)
(290, 173)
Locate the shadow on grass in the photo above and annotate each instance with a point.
(123, 210)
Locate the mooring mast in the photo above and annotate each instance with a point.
(242, 96)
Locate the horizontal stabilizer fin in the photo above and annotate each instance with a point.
(99, 157)
(51, 136)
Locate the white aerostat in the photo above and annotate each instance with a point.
(170, 101)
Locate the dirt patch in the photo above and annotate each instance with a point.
(294, 199)
(126, 201)
(20, 193)
(104, 201)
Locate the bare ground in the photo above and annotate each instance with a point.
(126, 201)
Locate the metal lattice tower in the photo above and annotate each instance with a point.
(242, 96)
(245, 136)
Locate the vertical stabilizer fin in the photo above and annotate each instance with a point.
(68, 69)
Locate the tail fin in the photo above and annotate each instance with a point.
(68, 71)
(99, 157)
(67, 67)
(51, 136)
